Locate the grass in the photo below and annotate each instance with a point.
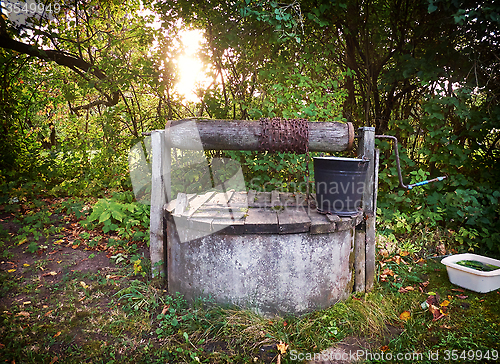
(76, 304)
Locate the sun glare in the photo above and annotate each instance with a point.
(191, 68)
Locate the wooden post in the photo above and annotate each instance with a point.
(366, 149)
(359, 258)
(160, 189)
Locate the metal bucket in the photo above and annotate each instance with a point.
(340, 184)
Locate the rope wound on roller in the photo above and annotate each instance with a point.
(285, 135)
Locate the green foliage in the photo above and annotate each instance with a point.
(120, 214)
(458, 140)
(37, 226)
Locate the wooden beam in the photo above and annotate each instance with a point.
(246, 135)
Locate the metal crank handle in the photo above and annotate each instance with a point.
(426, 182)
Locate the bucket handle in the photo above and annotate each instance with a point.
(398, 165)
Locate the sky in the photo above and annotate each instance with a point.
(190, 66)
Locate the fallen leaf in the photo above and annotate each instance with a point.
(384, 348)
(388, 272)
(54, 359)
(433, 299)
(409, 288)
(49, 274)
(58, 333)
(11, 270)
(424, 284)
(165, 309)
(404, 253)
(27, 303)
(445, 303)
(23, 313)
(402, 290)
(48, 313)
(84, 285)
(282, 347)
(436, 312)
(405, 315)
(384, 253)
(458, 290)
(26, 265)
(462, 297)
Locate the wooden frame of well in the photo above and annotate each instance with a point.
(279, 256)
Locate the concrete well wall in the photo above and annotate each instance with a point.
(268, 273)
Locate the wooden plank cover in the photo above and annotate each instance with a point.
(227, 213)
(320, 224)
(260, 221)
(197, 202)
(293, 221)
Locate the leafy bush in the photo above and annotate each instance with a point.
(121, 214)
(455, 141)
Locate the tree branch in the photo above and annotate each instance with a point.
(67, 60)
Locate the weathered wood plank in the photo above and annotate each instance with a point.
(262, 199)
(345, 223)
(251, 197)
(370, 248)
(246, 135)
(214, 213)
(287, 199)
(200, 224)
(170, 206)
(333, 218)
(320, 223)
(301, 199)
(221, 198)
(239, 198)
(275, 199)
(293, 221)
(158, 200)
(197, 202)
(229, 226)
(366, 148)
(359, 261)
(260, 221)
(181, 205)
(358, 219)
